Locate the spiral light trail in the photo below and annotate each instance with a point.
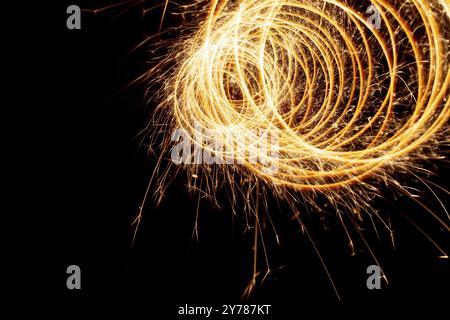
(306, 70)
(351, 103)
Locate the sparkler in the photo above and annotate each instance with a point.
(352, 106)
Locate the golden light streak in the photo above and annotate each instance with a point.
(352, 105)
(268, 65)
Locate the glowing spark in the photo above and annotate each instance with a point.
(268, 65)
(350, 104)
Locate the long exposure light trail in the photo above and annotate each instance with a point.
(352, 104)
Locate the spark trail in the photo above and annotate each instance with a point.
(353, 106)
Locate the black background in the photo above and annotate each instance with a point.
(90, 175)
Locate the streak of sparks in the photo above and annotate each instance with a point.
(351, 105)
